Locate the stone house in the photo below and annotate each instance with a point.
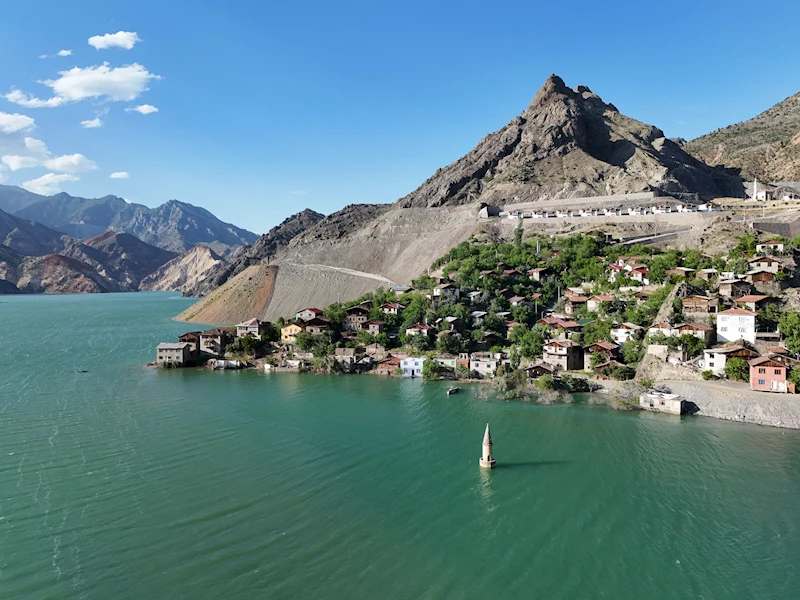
(565, 354)
(626, 331)
(557, 324)
(308, 313)
(350, 358)
(173, 355)
(734, 288)
(658, 402)
(699, 304)
(193, 339)
(213, 341)
(317, 326)
(355, 317)
(289, 332)
(735, 324)
(374, 327)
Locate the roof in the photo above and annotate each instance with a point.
(602, 298)
(627, 326)
(357, 309)
(487, 437)
(375, 322)
(443, 286)
(314, 310)
(392, 305)
(767, 259)
(541, 365)
(731, 348)
(421, 327)
(751, 298)
(563, 343)
(315, 322)
(400, 288)
(738, 311)
(778, 350)
(516, 299)
(577, 299)
(766, 360)
(169, 346)
(662, 325)
(604, 344)
(695, 327)
(189, 335)
(250, 323)
(770, 242)
(300, 325)
(213, 332)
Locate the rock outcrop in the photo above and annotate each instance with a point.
(187, 271)
(766, 147)
(55, 274)
(29, 237)
(569, 143)
(264, 247)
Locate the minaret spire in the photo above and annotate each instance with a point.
(487, 461)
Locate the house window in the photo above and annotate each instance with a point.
(741, 330)
(762, 371)
(777, 371)
(723, 329)
(761, 382)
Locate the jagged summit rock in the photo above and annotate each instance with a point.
(569, 143)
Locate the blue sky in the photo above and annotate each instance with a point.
(265, 108)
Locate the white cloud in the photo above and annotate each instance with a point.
(65, 52)
(120, 175)
(121, 39)
(15, 163)
(49, 184)
(144, 109)
(118, 84)
(92, 123)
(37, 147)
(3, 177)
(70, 163)
(13, 122)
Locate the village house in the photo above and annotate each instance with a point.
(447, 361)
(412, 366)
(308, 313)
(484, 364)
(289, 332)
(539, 368)
(446, 289)
(661, 402)
(759, 278)
(253, 327)
(699, 304)
(539, 273)
(421, 329)
(698, 330)
(770, 246)
(765, 263)
(734, 288)
(392, 308)
(386, 365)
(463, 360)
(352, 358)
(213, 341)
(754, 302)
(686, 208)
(571, 303)
(477, 317)
(355, 317)
(640, 274)
(374, 327)
(593, 303)
(715, 359)
(626, 331)
(607, 349)
(474, 296)
(735, 324)
(399, 290)
(517, 300)
(193, 339)
(558, 326)
(663, 328)
(768, 374)
(565, 354)
(637, 210)
(512, 274)
(641, 297)
(684, 272)
(706, 274)
(317, 326)
(173, 355)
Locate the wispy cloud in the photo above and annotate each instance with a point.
(59, 53)
(13, 122)
(49, 184)
(92, 123)
(38, 155)
(121, 39)
(120, 175)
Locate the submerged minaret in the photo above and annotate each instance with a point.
(487, 462)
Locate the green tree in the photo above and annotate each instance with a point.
(271, 334)
(430, 370)
(794, 376)
(737, 369)
(449, 344)
(304, 341)
(518, 235)
(421, 342)
(790, 327)
(249, 345)
(514, 358)
(335, 313)
(462, 372)
(633, 352)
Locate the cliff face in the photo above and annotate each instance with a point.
(264, 247)
(766, 147)
(569, 143)
(187, 271)
(54, 274)
(30, 238)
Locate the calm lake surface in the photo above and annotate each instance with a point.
(132, 482)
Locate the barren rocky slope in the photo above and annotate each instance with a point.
(120, 256)
(29, 237)
(184, 272)
(570, 143)
(767, 146)
(263, 248)
(54, 274)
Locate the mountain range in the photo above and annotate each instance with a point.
(766, 147)
(174, 226)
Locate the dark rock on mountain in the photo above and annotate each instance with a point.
(174, 226)
(569, 143)
(120, 257)
(30, 238)
(766, 147)
(266, 246)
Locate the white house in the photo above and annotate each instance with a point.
(446, 289)
(735, 324)
(484, 363)
(714, 359)
(420, 329)
(625, 331)
(412, 366)
(770, 246)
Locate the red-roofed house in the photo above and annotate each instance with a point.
(308, 313)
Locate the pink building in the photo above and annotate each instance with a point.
(768, 375)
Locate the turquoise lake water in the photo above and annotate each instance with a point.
(133, 482)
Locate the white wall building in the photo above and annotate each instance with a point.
(412, 366)
(735, 324)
